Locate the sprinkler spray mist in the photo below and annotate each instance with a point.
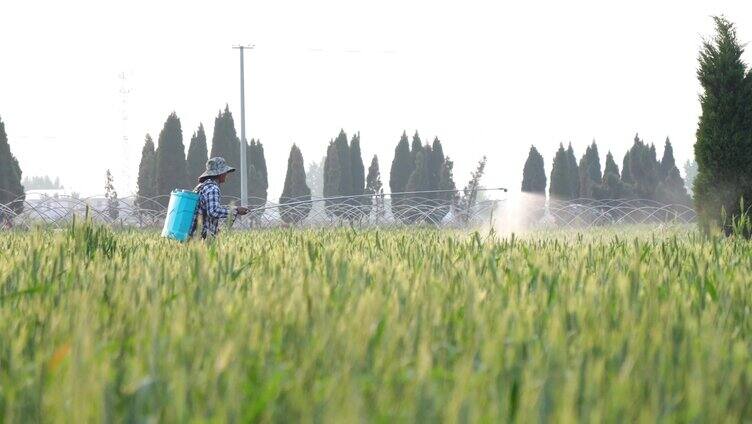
(519, 213)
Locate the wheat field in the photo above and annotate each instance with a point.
(344, 325)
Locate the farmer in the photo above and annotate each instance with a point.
(209, 209)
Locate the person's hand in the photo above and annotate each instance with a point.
(240, 210)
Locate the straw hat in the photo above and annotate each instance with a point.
(215, 166)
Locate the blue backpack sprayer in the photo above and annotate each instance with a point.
(180, 213)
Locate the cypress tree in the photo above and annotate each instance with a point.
(723, 149)
(343, 155)
(224, 138)
(611, 166)
(373, 180)
(399, 174)
(258, 180)
(226, 144)
(611, 188)
(338, 177)
(420, 180)
(667, 161)
(626, 174)
(331, 179)
(374, 188)
(611, 185)
(416, 146)
(671, 188)
(632, 161)
(437, 163)
(559, 188)
(655, 162)
(358, 177)
(533, 182)
(401, 166)
(589, 171)
(197, 154)
(533, 173)
(344, 175)
(650, 175)
(573, 174)
(147, 174)
(12, 194)
(295, 202)
(356, 167)
(171, 171)
(641, 169)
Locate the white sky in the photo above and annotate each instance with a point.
(486, 77)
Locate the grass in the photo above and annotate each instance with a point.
(383, 326)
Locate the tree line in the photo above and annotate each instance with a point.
(43, 182)
(721, 175)
(424, 175)
(165, 166)
(417, 177)
(421, 176)
(642, 175)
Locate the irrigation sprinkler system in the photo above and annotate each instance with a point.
(419, 208)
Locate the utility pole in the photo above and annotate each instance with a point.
(243, 164)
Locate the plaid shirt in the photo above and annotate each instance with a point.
(209, 208)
